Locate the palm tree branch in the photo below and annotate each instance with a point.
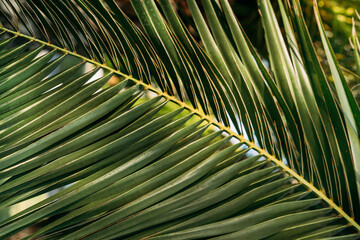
(208, 118)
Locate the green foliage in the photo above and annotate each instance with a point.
(193, 142)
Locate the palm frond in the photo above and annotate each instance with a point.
(244, 153)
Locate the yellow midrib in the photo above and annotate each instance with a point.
(241, 138)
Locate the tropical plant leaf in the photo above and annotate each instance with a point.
(192, 142)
